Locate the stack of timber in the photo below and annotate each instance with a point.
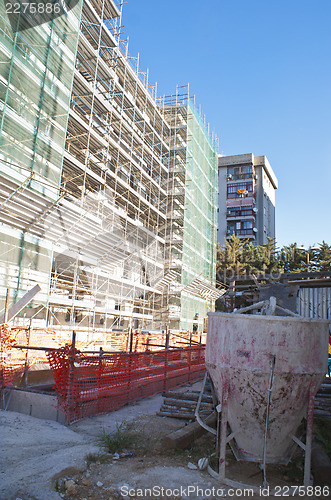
(323, 399)
(183, 404)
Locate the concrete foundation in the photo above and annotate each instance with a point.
(36, 404)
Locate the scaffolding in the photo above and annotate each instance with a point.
(36, 74)
(117, 141)
(109, 201)
(191, 213)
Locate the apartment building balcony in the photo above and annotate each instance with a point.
(241, 172)
(241, 213)
(240, 193)
(247, 201)
(242, 233)
(241, 177)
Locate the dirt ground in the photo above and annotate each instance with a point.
(146, 465)
(119, 455)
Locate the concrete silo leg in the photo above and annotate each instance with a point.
(309, 435)
(223, 436)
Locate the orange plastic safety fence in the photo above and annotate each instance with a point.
(10, 367)
(91, 385)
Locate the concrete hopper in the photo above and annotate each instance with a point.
(266, 371)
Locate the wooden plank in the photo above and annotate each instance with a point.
(186, 403)
(175, 410)
(191, 396)
(184, 437)
(178, 415)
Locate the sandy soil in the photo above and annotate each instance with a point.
(34, 451)
(43, 460)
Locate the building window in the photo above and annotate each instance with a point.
(238, 190)
(247, 224)
(240, 172)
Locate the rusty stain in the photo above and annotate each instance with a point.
(243, 354)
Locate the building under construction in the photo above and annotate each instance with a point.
(108, 194)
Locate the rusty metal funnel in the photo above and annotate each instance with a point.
(266, 371)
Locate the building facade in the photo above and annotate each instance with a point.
(37, 70)
(192, 215)
(246, 198)
(108, 193)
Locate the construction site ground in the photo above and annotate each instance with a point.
(44, 460)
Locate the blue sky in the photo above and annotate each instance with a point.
(261, 71)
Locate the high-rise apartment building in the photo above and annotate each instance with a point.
(108, 194)
(246, 198)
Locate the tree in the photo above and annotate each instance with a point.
(323, 257)
(292, 258)
(266, 260)
(230, 257)
(239, 256)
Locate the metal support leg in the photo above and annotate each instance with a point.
(309, 436)
(223, 436)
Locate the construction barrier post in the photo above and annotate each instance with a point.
(131, 339)
(26, 366)
(165, 385)
(167, 338)
(71, 377)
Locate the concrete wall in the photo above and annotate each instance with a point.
(33, 404)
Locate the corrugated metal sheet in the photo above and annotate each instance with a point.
(314, 302)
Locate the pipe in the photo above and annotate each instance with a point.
(271, 382)
(196, 413)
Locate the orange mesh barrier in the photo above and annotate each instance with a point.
(91, 385)
(110, 341)
(10, 367)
